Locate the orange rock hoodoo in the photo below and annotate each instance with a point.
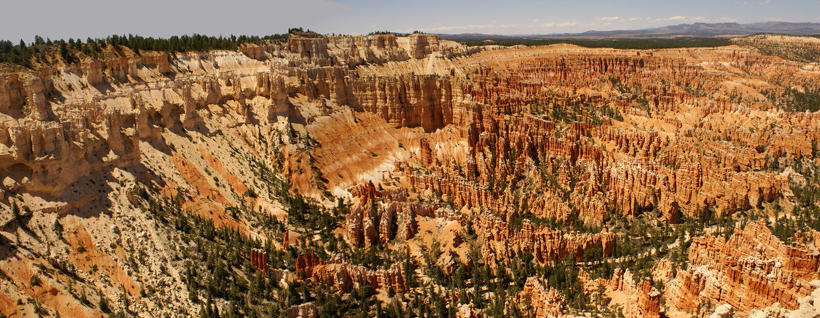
(540, 299)
(259, 259)
(752, 270)
(346, 276)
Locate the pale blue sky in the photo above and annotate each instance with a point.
(99, 18)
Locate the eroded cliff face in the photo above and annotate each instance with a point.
(446, 165)
(83, 139)
(635, 295)
(347, 277)
(502, 242)
(540, 299)
(753, 269)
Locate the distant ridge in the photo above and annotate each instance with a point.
(672, 31)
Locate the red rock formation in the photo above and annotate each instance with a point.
(396, 219)
(546, 245)
(636, 296)
(306, 310)
(752, 270)
(259, 259)
(644, 301)
(538, 298)
(427, 156)
(346, 277)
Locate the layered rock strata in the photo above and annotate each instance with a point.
(751, 270)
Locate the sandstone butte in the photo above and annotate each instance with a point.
(384, 175)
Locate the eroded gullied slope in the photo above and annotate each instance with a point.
(111, 168)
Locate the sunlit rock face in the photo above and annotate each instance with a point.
(412, 170)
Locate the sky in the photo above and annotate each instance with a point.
(64, 19)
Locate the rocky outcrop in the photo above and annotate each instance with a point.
(789, 47)
(501, 241)
(306, 310)
(26, 95)
(426, 101)
(310, 49)
(751, 270)
(104, 131)
(351, 51)
(46, 157)
(809, 306)
(259, 259)
(396, 217)
(128, 66)
(347, 277)
(636, 296)
(643, 301)
(541, 300)
(422, 44)
(90, 133)
(426, 154)
(12, 95)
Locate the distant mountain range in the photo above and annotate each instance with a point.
(672, 31)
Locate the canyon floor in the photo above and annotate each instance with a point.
(409, 176)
